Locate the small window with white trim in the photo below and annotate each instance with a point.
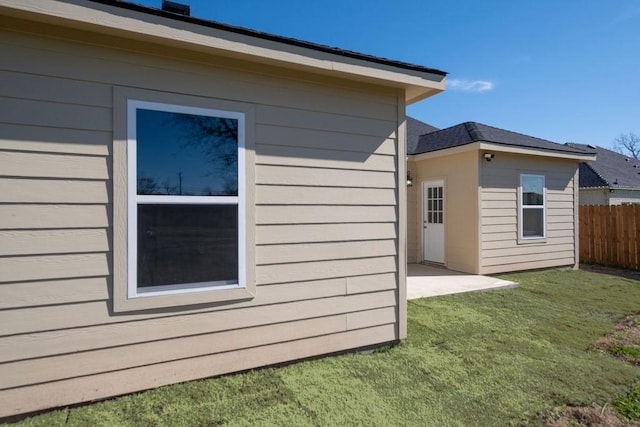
(532, 207)
(185, 195)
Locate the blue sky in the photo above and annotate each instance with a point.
(564, 70)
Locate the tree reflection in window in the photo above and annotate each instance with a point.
(186, 154)
(181, 241)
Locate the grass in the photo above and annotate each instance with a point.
(625, 351)
(629, 404)
(494, 358)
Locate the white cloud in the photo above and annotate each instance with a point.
(479, 86)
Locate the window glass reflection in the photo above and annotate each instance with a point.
(532, 190)
(186, 154)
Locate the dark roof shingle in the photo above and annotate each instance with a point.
(416, 128)
(610, 169)
(469, 132)
(271, 37)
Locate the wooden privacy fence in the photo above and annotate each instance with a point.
(610, 235)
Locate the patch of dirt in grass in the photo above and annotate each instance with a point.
(584, 416)
(624, 342)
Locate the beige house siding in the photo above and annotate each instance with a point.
(595, 196)
(460, 175)
(413, 211)
(500, 248)
(326, 213)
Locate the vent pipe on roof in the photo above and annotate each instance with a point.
(179, 8)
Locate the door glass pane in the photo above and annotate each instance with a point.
(186, 154)
(183, 244)
(532, 222)
(440, 218)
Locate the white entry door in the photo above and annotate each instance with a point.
(433, 221)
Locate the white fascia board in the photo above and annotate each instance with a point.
(536, 152)
(624, 188)
(488, 146)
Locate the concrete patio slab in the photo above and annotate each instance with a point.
(430, 281)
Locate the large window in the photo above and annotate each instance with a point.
(183, 201)
(532, 207)
(185, 216)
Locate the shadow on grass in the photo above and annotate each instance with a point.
(619, 272)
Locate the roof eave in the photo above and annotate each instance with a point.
(445, 152)
(415, 92)
(136, 22)
(611, 187)
(484, 145)
(618, 187)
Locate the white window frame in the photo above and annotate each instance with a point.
(133, 200)
(522, 207)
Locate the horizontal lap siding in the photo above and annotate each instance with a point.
(115, 331)
(107, 384)
(326, 225)
(501, 250)
(75, 364)
(459, 172)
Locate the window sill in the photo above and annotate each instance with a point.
(532, 241)
(124, 304)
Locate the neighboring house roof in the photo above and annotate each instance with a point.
(610, 169)
(470, 132)
(416, 128)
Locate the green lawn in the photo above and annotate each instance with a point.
(494, 358)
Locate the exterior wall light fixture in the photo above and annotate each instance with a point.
(488, 156)
(409, 180)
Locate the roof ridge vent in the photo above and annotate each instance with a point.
(179, 8)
